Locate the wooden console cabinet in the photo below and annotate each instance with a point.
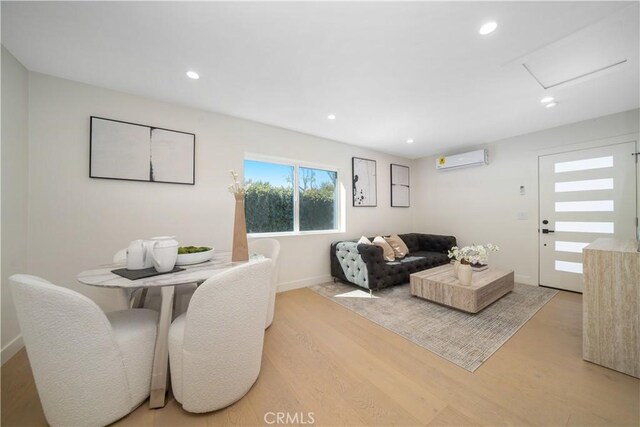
(611, 305)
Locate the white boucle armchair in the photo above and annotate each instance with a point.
(90, 369)
(269, 248)
(215, 348)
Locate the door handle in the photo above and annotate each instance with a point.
(547, 231)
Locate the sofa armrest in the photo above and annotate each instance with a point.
(373, 257)
(436, 243)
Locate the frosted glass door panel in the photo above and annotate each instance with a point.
(585, 185)
(585, 164)
(585, 206)
(569, 267)
(585, 227)
(575, 247)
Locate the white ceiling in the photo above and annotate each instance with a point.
(388, 71)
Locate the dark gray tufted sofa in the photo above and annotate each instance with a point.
(364, 265)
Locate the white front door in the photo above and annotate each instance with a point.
(584, 195)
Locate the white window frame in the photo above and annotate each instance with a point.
(296, 164)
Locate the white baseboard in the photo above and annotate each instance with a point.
(9, 350)
(303, 283)
(521, 278)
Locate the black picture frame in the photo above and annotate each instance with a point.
(364, 182)
(400, 191)
(115, 163)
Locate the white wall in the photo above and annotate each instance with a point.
(480, 204)
(77, 223)
(14, 192)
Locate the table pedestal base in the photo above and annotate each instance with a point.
(159, 373)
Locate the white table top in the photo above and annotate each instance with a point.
(196, 273)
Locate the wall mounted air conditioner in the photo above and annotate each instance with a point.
(455, 161)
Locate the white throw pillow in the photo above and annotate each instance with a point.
(387, 250)
(364, 241)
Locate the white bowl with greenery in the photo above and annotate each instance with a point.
(188, 255)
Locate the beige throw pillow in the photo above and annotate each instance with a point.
(364, 241)
(399, 247)
(387, 250)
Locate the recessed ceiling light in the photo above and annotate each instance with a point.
(546, 99)
(551, 105)
(331, 117)
(409, 141)
(488, 28)
(193, 75)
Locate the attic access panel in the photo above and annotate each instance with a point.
(583, 54)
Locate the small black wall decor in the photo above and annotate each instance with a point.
(134, 152)
(364, 182)
(399, 186)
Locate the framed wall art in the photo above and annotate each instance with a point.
(399, 186)
(364, 182)
(134, 152)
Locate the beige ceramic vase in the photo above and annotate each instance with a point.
(240, 246)
(464, 274)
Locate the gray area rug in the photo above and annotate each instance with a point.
(464, 339)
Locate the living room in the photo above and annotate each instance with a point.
(320, 85)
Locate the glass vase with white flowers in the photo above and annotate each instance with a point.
(475, 255)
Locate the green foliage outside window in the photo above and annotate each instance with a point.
(317, 208)
(270, 209)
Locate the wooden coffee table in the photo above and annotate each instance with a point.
(441, 285)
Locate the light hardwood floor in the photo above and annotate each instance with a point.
(320, 357)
